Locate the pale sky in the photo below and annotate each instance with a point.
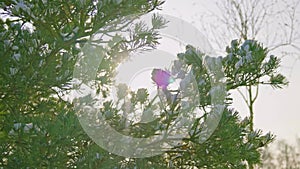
(275, 110)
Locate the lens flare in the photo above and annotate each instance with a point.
(161, 78)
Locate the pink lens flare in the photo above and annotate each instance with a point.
(161, 78)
